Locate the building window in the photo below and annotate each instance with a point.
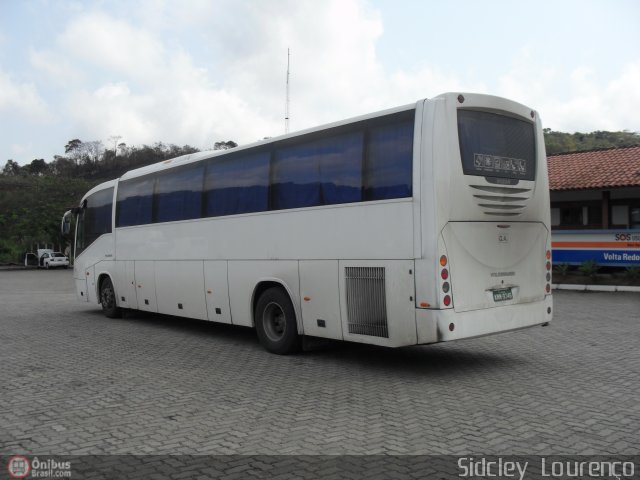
(571, 217)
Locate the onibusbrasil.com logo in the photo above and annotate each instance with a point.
(20, 466)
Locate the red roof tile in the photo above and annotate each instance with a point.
(610, 168)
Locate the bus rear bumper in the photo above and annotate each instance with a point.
(446, 325)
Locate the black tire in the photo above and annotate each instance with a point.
(108, 299)
(275, 321)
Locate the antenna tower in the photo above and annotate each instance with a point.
(286, 108)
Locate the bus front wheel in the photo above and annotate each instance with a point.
(276, 324)
(108, 299)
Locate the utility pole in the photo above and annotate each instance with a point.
(286, 108)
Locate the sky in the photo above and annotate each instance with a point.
(194, 72)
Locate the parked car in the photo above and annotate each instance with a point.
(54, 260)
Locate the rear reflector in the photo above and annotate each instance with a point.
(447, 300)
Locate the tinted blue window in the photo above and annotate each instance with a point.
(237, 185)
(95, 219)
(389, 162)
(135, 202)
(321, 172)
(178, 194)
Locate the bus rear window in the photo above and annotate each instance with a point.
(493, 145)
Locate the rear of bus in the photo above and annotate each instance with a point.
(486, 260)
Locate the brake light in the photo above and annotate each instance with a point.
(547, 287)
(445, 281)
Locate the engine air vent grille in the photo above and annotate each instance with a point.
(366, 303)
(495, 200)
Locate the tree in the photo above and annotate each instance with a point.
(11, 168)
(37, 167)
(72, 145)
(224, 145)
(63, 167)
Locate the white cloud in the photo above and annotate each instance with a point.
(215, 70)
(575, 100)
(19, 149)
(22, 99)
(113, 45)
(150, 89)
(54, 67)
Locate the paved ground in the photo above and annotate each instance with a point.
(74, 382)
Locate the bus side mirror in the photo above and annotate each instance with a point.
(65, 227)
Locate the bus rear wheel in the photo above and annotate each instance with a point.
(276, 324)
(108, 299)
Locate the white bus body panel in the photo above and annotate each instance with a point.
(436, 325)
(125, 284)
(358, 231)
(84, 272)
(146, 285)
(484, 257)
(179, 288)
(216, 286)
(320, 298)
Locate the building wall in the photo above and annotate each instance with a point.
(596, 209)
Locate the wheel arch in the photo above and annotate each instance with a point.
(265, 284)
(101, 278)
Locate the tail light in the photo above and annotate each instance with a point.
(445, 285)
(547, 287)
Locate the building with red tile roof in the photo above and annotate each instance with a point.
(610, 168)
(597, 189)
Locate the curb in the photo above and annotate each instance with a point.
(595, 288)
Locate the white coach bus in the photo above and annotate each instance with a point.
(420, 224)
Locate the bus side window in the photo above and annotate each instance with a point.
(389, 162)
(237, 185)
(178, 194)
(320, 172)
(135, 202)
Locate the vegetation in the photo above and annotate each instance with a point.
(589, 268)
(632, 273)
(31, 208)
(33, 197)
(559, 142)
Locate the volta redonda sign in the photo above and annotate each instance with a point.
(616, 248)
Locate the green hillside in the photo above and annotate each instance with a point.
(31, 208)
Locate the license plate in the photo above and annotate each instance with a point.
(502, 295)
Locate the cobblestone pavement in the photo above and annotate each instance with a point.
(75, 382)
